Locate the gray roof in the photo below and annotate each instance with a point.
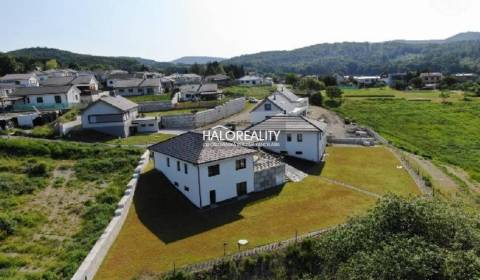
(17, 76)
(210, 87)
(84, 79)
(57, 81)
(118, 102)
(290, 123)
(282, 102)
(153, 82)
(191, 147)
(136, 83)
(26, 91)
(288, 94)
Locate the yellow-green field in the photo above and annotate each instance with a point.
(433, 95)
(163, 228)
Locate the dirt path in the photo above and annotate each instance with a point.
(438, 176)
(336, 127)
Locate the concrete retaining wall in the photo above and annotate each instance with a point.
(203, 118)
(94, 259)
(65, 128)
(365, 141)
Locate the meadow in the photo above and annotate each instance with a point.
(447, 132)
(56, 198)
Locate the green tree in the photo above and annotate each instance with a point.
(311, 84)
(329, 80)
(8, 64)
(416, 82)
(51, 64)
(317, 99)
(291, 79)
(334, 92)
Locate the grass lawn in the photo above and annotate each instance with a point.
(163, 228)
(141, 139)
(259, 92)
(379, 173)
(146, 98)
(445, 132)
(433, 95)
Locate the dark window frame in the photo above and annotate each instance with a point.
(289, 137)
(214, 170)
(299, 137)
(95, 115)
(168, 162)
(267, 107)
(240, 164)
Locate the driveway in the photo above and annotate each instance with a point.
(336, 127)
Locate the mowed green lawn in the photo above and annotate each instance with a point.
(141, 139)
(163, 228)
(448, 133)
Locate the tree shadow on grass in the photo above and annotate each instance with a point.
(172, 217)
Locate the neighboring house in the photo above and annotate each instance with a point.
(167, 83)
(120, 75)
(339, 78)
(199, 92)
(204, 171)
(148, 75)
(366, 80)
(132, 87)
(299, 136)
(46, 98)
(110, 115)
(20, 80)
(83, 83)
(431, 80)
(219, 79)
(185, 79)
(463, 77)
(251, 80)
(5, 91)
(282, 102)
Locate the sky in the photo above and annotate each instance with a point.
(165, 30)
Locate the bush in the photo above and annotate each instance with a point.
(8, 225)
(317, 99)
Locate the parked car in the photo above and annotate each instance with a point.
(252, 100)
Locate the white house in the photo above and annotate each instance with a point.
(283, 102)
(185, 79)
(208, 91)
(110, 115)
(83, 83)
(20, 80)
(202, 170)
(47, 98)
(299, 136)
(431, 80)
(366, 80)
(251, 80)
(132, 87)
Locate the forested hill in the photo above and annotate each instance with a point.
(196, 59)
(459, 53)
(27, 59)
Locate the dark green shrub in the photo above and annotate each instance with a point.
(317, 99)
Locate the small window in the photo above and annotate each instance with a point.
(185, 168)
(274, 138)
(187, 189)
(299, 137)
(299, 153)
(267, 106)
(58, 99)
(213, 170)
(178, 165)
(289, 137)
(130, 90)
(150, 124)
(39, 99)
(149, 90)
(176, 184)
(168, 162)
(143, 125)
(240, 164)
(140, 90)
(76, 97)
(121, 90)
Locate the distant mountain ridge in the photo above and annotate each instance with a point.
(459, 53)
(188, 60)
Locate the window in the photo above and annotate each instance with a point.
(241, 188)
(299, 137)
(299, 153)
(178, 165)
(274, 138)
(185, 168)
(149, 90)
(39, 99)
(130, 90)
(267, 106)
(140, 90)
(168, 162)
(58, 99)
(121, 90)
(176, 184)
(150, 124)
(105, 118)
(240, 164)
(213, 170)
(143, 125)
(76, 97)
(187, 189)
(289, 137)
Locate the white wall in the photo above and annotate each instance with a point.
(70, 98)
(101, 108)
(312, 146)
(259, 114)
(189, 180)
(225, 184)
(150, 125)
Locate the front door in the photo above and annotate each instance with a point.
(241, 188)
(213, 197)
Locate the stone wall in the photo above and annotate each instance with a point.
(154, 106)
(266, 178)
(94, 259)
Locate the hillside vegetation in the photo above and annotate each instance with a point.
(456, 54)
(56, 199)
